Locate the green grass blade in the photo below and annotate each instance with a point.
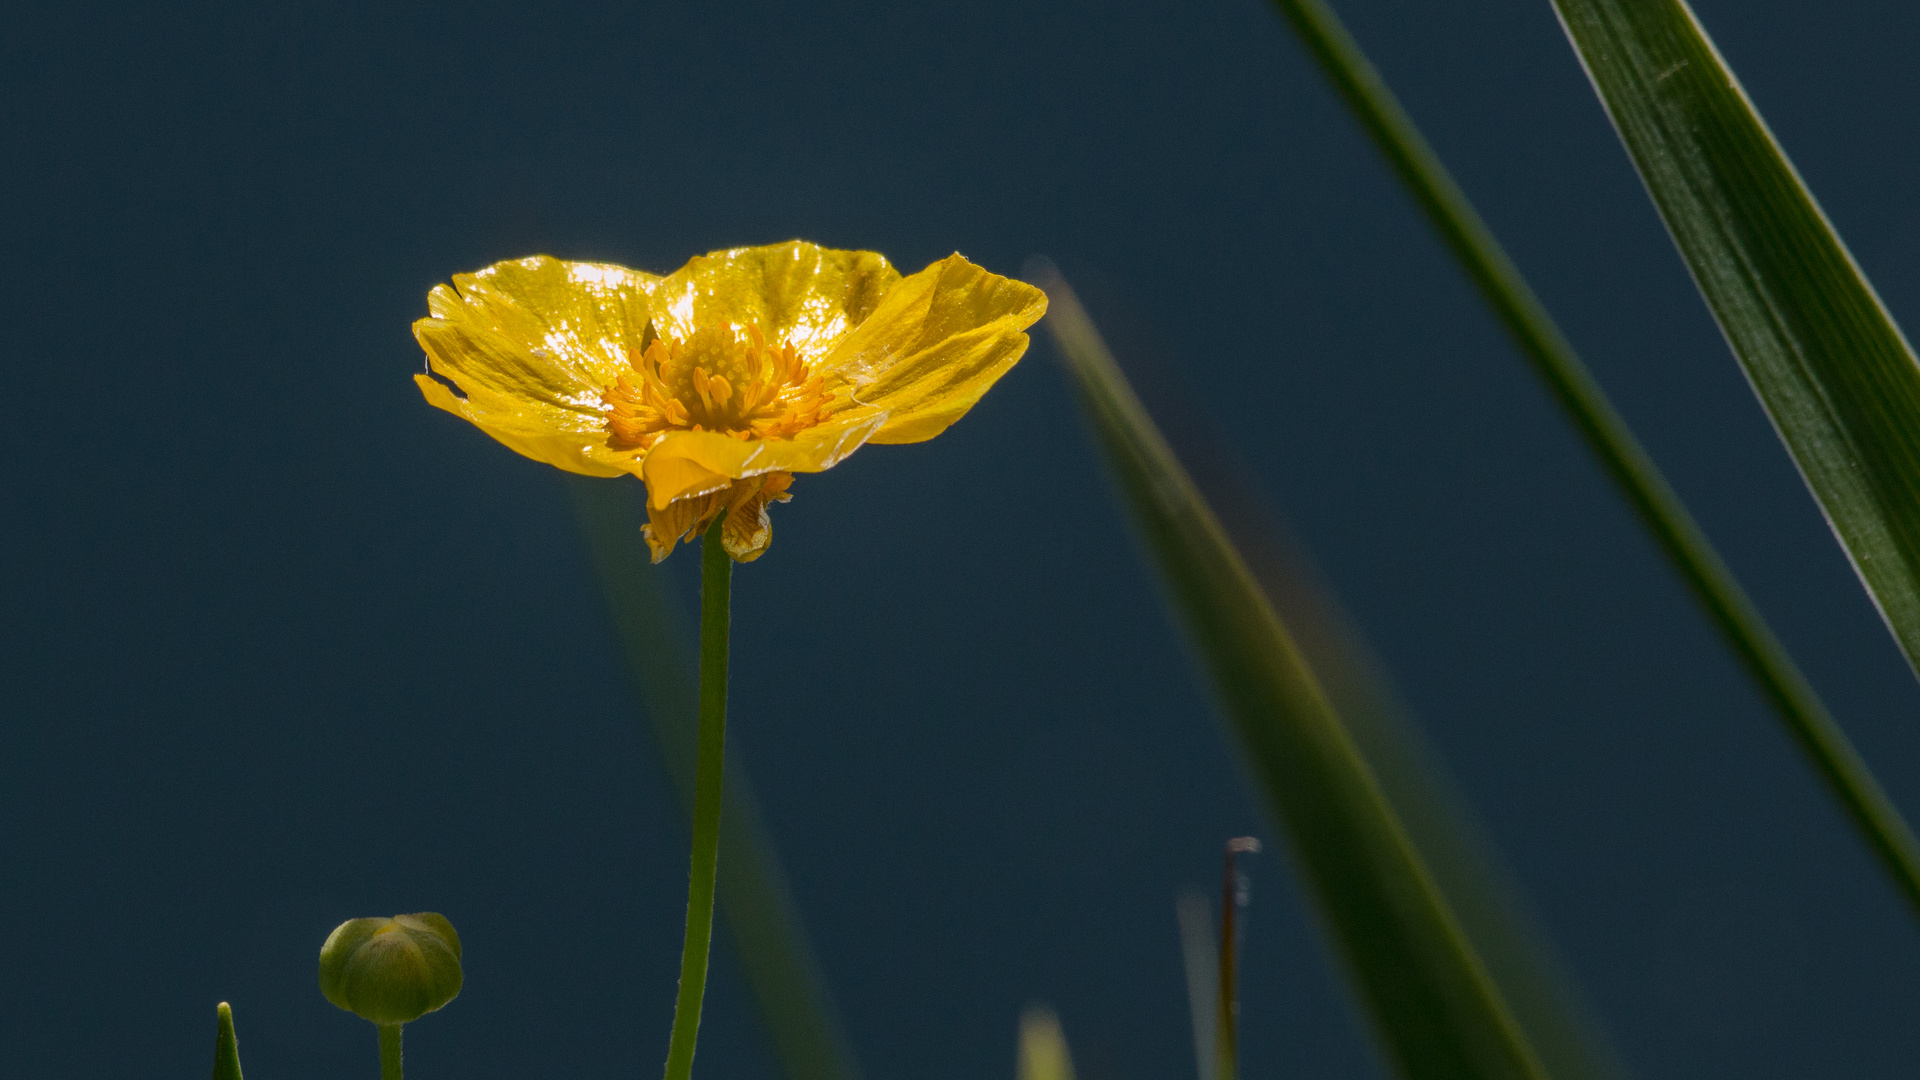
(1475, 883)
(1437, 1009)
(226, 1048)
(1607, 434)
(755, 899)
(1834, 372)
(1201, 954)
(1043, 1051)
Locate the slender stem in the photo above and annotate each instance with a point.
(716, 583)
(390, 1052)
(1607, 434)
(756, 901)
(1227, 1031)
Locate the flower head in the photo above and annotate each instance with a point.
(716, 383)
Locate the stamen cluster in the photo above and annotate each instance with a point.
(716, 380)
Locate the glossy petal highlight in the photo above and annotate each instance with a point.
(795, 292)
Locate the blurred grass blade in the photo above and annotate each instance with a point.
(1198, 949)
(1043, 1047)
(1473, 880)
(1607, 434)
(1834, 372)
(1437, 1009)
(755, 900)
(1475, 884)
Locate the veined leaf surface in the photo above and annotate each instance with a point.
(1833, 371)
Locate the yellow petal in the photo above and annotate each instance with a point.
(538, 327)
(794, 292)
(954, 377)
(748, 530)
(688, 463)
(668, 525)
(935, 344)
(531, 343)
(543, 434)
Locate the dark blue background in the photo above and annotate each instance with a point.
(283, 645)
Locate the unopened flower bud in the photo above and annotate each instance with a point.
(391, 971)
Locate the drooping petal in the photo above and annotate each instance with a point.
(541, 432)
(795, 292)
(688, 463)
(748, 530)
(936, 343)
(680, 520)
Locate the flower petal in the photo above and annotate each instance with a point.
(530, 343)
(935, 344)
(688, 463)
(748, 530)
(952, 377)
(795, 292)
(541, 432)
(668, 526)
(539, 328)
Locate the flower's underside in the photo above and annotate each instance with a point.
(718, 382)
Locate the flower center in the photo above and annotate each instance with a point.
(715, 380)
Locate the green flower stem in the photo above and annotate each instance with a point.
(389, 1052)
(1606, 432)
(716, 585)
(755, 899)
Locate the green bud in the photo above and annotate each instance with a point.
(391, 971)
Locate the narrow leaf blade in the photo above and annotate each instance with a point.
(1043, 1051)
(1435, 1006)
(1832, 369)
(226, 1048)
(1475, 883)
(1613, 443)
(1198, 949)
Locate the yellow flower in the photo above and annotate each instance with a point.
(716, 383)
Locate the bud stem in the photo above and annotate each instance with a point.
(716, 584)
(389, 1052)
